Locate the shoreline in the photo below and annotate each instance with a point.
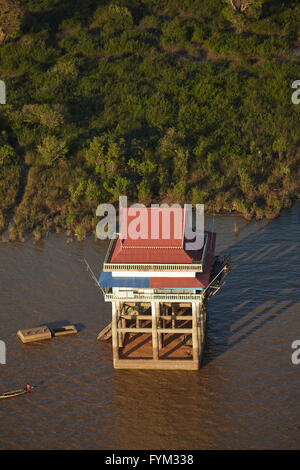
(7, 236)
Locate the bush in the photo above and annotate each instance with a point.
(113, 18)
(175, 33)
(7, 155)
(11, 19)
(51, 149)
(79, 42)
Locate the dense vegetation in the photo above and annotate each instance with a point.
(161, 100)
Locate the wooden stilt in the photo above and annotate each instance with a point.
(173, 316)
(155, 314)
(123, 325)
(199, 325)
(162, 334)
(160, 324)
(114, 327)
(202, 322)
(195, 333)
(120, 334)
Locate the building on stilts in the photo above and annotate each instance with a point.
(159, 290)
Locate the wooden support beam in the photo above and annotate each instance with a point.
(120, 324)
(198, 324)
(195, 333)
(137, 330)
(123, 325)
(165, 364)
(137, 321)
(162, 335)
(114, 330)
(175, 331)
(163, 317)
(155, 315)
(173, 316)
(119, 333)
(202, 327)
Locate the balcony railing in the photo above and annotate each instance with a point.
(139, 296)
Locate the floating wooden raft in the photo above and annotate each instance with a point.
(43, 332)
(64, 330)
(105, 334)
(34, 334)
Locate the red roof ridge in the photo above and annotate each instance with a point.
(134, 247)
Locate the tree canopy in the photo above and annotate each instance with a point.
(12, 16)
(162, 101)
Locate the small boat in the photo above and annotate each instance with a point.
(16, 393)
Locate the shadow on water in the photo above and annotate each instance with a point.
(60, 323)
(262, 285)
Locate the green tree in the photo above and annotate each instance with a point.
(249, 8)
(51, 149)
(105, 155)
(7, 155)
(11, 19)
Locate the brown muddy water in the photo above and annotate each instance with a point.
(245, 396)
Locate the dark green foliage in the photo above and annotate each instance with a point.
(12, 16)
(159, 100)
(9, 179)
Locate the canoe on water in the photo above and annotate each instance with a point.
(16, 393)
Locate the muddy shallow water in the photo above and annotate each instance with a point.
(245, 396)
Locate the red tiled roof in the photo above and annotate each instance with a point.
(179, 282)
(201, 280)
(158, 248)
